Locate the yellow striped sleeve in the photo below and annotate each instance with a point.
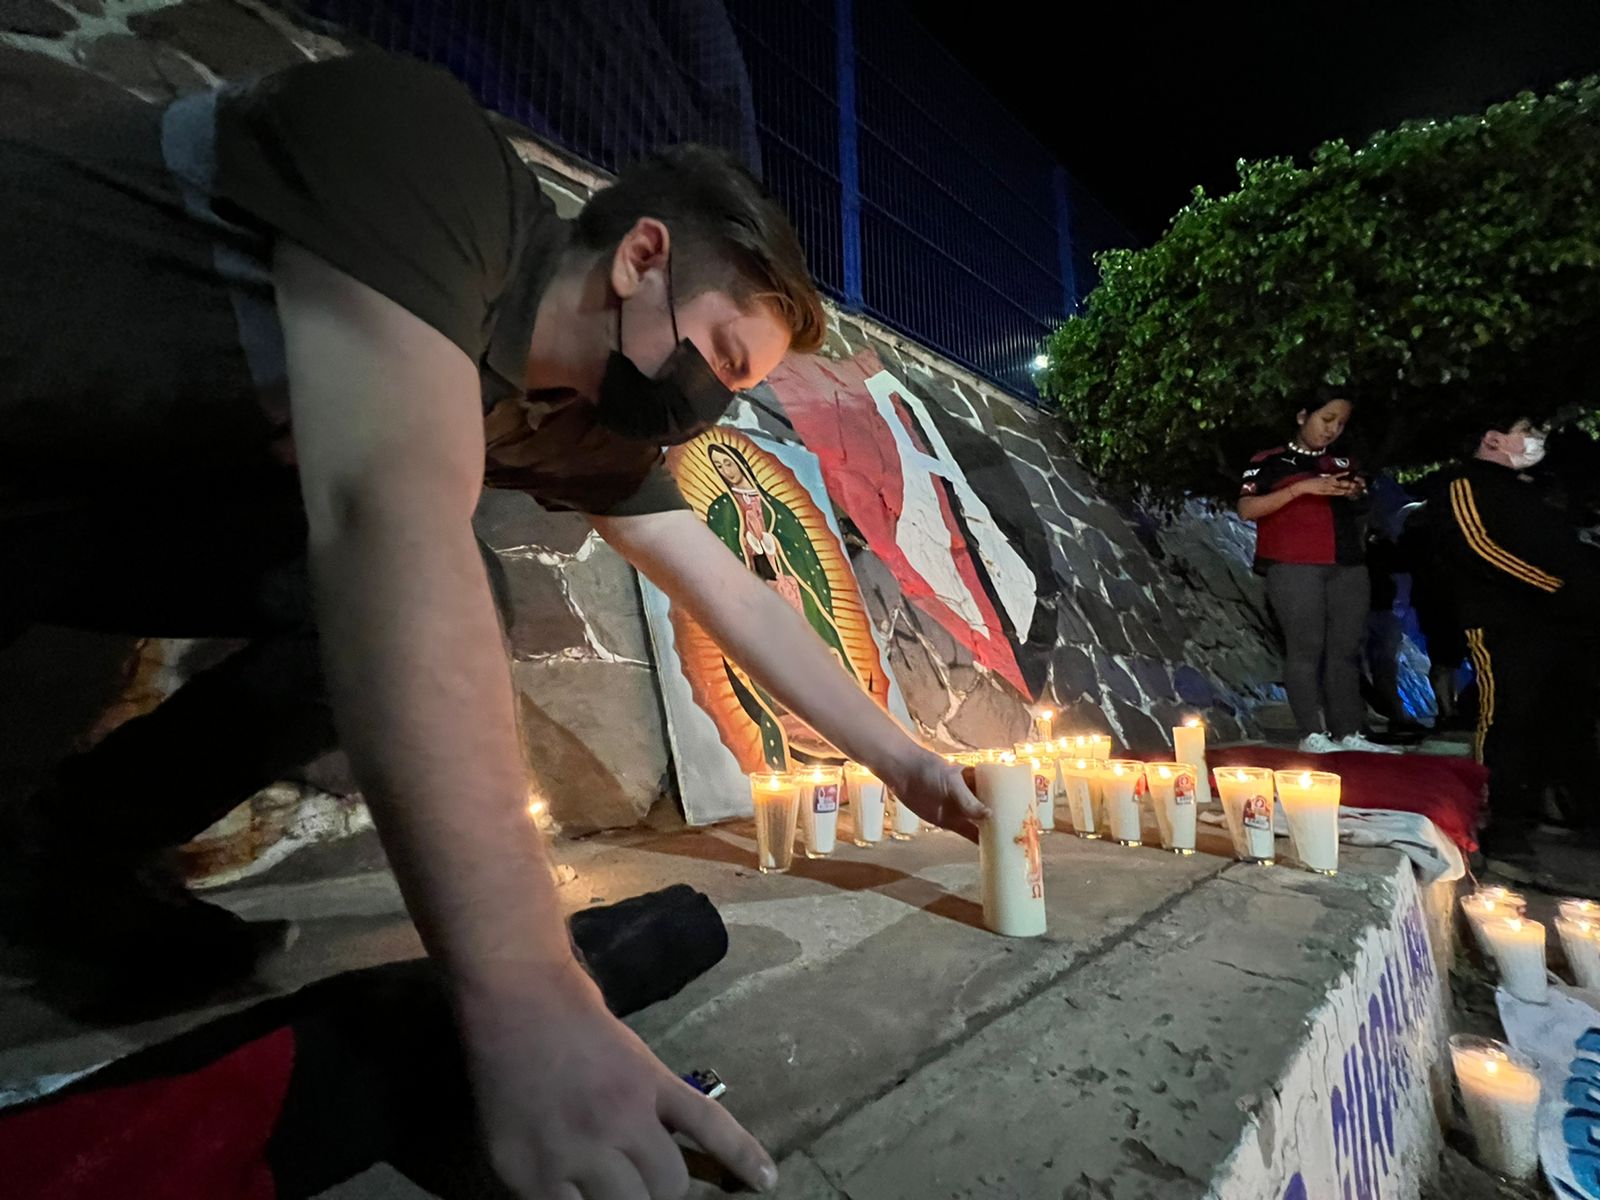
(1465, 507)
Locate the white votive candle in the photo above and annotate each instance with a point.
(1043, 723)
(1172, 797)
(1008, 851)
(1247, 803)
(1044, 791)
(1500, 1091)
(1580, 942)
(1189, 746)
(1121, 782)
(1518, 948)
(1311, 802)
(819, 810)
(865, 793)
(1485, 904)
(1580, 910)
(1081, 776)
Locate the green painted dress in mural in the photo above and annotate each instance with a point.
(769, 538)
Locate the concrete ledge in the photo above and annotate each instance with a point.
(1189, 1027)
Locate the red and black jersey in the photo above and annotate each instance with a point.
(1310, 530)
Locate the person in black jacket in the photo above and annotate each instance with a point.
(1526, 589)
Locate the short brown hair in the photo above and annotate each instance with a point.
(730, 233)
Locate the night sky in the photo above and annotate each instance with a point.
(1141, 107)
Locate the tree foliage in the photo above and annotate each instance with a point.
(1441, 273)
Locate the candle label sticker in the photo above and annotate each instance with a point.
(1183, 790)
(1028, 839)
(1041, 788)
(1257, 813)
(1141, 789)
(825, 798)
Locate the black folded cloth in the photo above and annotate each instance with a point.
(377, 1070)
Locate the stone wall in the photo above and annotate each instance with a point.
(1135, 621)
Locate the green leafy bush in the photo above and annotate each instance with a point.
(1440, 273)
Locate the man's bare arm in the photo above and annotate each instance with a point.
(773, 642)
(389, 436)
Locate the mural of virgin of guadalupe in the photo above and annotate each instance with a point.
(761, 512)
(768, 536)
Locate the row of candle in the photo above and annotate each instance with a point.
(809, 800)
(1102, 796)
(1499, 1086)
(1499, 921)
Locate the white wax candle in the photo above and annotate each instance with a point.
(1247, 804)
(1311, 802)
(1081, 808)
(1121, 781)
(865, 792)
(1058, 796)
(1008, 851)
(1172, 796)
(775, 799)
(1189, 746)
(1518, 947)
(1043, 723)
(819, 810)
(1580, 910)
(1044, 791)
(1580, 942)
(1487, 903)
(1500, 1091)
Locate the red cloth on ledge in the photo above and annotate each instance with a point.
(1448, 791)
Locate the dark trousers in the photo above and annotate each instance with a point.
(183, 568)
(1322, 611)
(1536, 723)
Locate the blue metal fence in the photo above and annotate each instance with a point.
(921, 201)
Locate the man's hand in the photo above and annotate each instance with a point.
(574, 1105)
(937, 791)
(1325, 485)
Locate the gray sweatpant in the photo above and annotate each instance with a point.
(1323, 612)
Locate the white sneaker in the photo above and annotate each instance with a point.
(1356, 742)
(1319, 743)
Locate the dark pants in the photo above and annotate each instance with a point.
(1323, 614)
(181, 568)
(1536, 725)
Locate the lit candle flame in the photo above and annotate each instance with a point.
(1241, 776)
(1490, 1066)
(1514, 924)
(1191, 723)
(1165, 774)
(1117, 770)
(1305, 779)
(1047, 713)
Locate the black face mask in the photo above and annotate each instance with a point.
(683, 400)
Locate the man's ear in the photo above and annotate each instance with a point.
(642, 248)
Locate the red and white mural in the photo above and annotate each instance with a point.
(887, 466)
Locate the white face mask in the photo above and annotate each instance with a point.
(1531, 454)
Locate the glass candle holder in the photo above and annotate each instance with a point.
(1518, 948)
(1500, 1091)
(1082, 776)
(1043, 723)
(1247, 803)
(1122, 780)
(1487, 903)
(864, 790)
(1310, 800)
(1172, 797)
(1580, 942)
(775, 796)
(819, 810)
(1580, 910)
(1044, 789)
